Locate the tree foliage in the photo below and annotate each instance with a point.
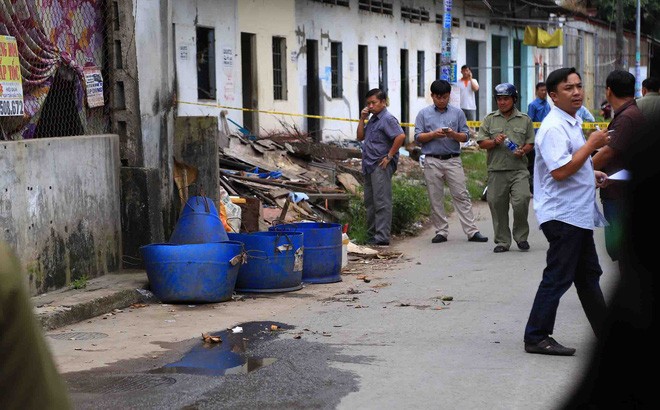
(650, 13)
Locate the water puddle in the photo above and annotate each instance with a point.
(228, 357)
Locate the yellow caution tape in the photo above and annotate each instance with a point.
(471, 124)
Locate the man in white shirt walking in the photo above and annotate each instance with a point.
(565, 205)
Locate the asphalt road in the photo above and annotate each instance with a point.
(396, 341)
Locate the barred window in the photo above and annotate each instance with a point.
(374, 6)
(335, 69)
(343, 3)
(382, 68)
(420, 74)
(416, 15)
(206, 87)
(279, 68)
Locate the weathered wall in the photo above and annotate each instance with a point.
(301, 20)
(59, 207)
(222, 17)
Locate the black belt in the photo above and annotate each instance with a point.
(447, 156)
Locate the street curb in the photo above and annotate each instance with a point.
(87, 310)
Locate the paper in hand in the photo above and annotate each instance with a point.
(623, 175)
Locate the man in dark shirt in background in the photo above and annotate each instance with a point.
(628, 121)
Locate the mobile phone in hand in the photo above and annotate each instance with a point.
(445, 129)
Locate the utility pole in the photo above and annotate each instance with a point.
(618, 62)
(638, 74)
(445, 57)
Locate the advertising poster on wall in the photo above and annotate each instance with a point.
(94, 86)
(11, 85)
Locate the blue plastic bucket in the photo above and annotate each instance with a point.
(322, 242)
(199, 223)
(197, 273)
(274, 261)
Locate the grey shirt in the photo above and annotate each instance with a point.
(431, 118)
(379, 134)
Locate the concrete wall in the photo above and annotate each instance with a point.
(222, 17)
(59, 207)
(156, 89)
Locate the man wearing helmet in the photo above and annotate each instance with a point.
(508, 176)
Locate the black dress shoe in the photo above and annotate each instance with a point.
(439, 239)
(478, 237)
(500, 249)
(523, 245)
(549, 346)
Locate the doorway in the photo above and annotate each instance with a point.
(405, 92)
(249, 84)
(472, 61)
(313, 124)
(363, 74)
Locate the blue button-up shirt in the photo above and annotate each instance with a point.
(431, 118)
(573, 200)
(379, 134)
(538, 109)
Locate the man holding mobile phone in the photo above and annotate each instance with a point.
(382, 136)
(440, 129)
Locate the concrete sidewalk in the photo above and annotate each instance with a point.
(101, 295)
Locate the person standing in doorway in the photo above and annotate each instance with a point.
(537, 110)
(508, 178)
(566, 209)
(382, 136)
(627, 124)
(468, 86)
(440, 129)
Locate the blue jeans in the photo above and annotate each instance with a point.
(571, 259)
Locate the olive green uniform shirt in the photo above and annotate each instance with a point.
(518, 127)
(28, 377)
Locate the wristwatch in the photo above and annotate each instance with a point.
(389, 158)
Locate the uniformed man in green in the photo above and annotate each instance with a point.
(28, 376)
(508, 135)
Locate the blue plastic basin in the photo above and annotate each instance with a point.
(322, 242)
(274, 261)
(197, 273)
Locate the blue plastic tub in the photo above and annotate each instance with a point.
(322, 242)
(274, 261)
(196, 273)
(199, 223)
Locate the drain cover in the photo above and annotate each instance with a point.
(121, 384)
(78, 336)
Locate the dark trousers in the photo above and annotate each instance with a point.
(378, 203)
(613, 210)
(571, 258)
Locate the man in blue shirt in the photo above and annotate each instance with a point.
(440, 129)
(566, 210)
(537, 110)
(382, 136)
(585, 114)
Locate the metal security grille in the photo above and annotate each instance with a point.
(63, 55)
(335, 68)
